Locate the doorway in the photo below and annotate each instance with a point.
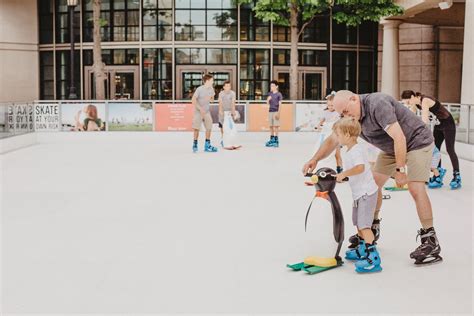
(311, 82)
(188, 78)
(121, 83)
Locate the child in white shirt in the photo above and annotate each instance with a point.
(364, 194)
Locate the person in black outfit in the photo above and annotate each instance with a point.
(444, 131)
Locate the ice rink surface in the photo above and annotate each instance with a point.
(137, 223)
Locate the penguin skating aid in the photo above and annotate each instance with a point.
(324, 181)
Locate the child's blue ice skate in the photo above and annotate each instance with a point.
(371, 263)
(339, 169)
(209, 148)
(357, 253)
(435, 182)
(195, 147)
(270, 142)
(456, 182)
(276, 142)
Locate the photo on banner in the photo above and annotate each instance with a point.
(125, 116)
(258, 120)
(240, 123)
(20, 118)
(78, 117)
(308, 116)
(173, 116)
(47, 118)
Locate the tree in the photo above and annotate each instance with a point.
(298, 14)
(98, 66)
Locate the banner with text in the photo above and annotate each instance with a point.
(20, 118)
(47, 117)
(173, 116)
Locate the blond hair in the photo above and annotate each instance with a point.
(347, 125)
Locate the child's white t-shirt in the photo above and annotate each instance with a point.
(363, 183)
(329, 119)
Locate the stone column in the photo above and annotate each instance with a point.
(467, 90)
(390, 63)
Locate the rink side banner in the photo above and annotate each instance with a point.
(308, 116)
(20, 117)
(47, 117)
(241, 124)
(258, 118)
(173, 116)
(135, 117)
(78, 117)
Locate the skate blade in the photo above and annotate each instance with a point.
(374, 270)
(434, 261)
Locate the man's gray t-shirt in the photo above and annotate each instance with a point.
(226, 98)
(378, 111)
(203, 97)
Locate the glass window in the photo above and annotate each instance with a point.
(113, 57)
(254, 73)
(309, 57)
(281, 57)
(46, 76)
(119, 24)
(63, 73)
(62, 22)
(366, 72)
(317, 31)
(344, 70)
(157, 20)
(197, 22)
(342, 34)
(157, 80)
(368, 33)
(45, 11)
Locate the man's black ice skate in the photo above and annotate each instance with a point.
(428, 251)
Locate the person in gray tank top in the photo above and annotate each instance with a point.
(406, 145)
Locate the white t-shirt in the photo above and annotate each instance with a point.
(363, 183)
(329, 119)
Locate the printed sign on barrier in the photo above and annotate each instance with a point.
(130, 116)
(173, 116)
(20, 117)
(47, 117)
(308, 116)
(240, 123)
(83, 117)
(258, 120)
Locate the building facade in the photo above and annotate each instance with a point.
(159, 49)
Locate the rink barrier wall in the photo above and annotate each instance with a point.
(19, 118)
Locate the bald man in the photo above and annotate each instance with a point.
(406, 145)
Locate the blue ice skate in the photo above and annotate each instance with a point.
(358, 253)
(195, 147)
(437, 181)
(209, 148)
(270, 142)
(371, 263)
(456, 182)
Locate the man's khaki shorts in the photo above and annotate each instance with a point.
(418, 164)
(198, 120)
(273, 121)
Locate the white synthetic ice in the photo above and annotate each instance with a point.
(137, 223)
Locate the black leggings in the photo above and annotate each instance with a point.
(446, 131)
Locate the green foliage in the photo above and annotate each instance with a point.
(350, 12)
(354, 12)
